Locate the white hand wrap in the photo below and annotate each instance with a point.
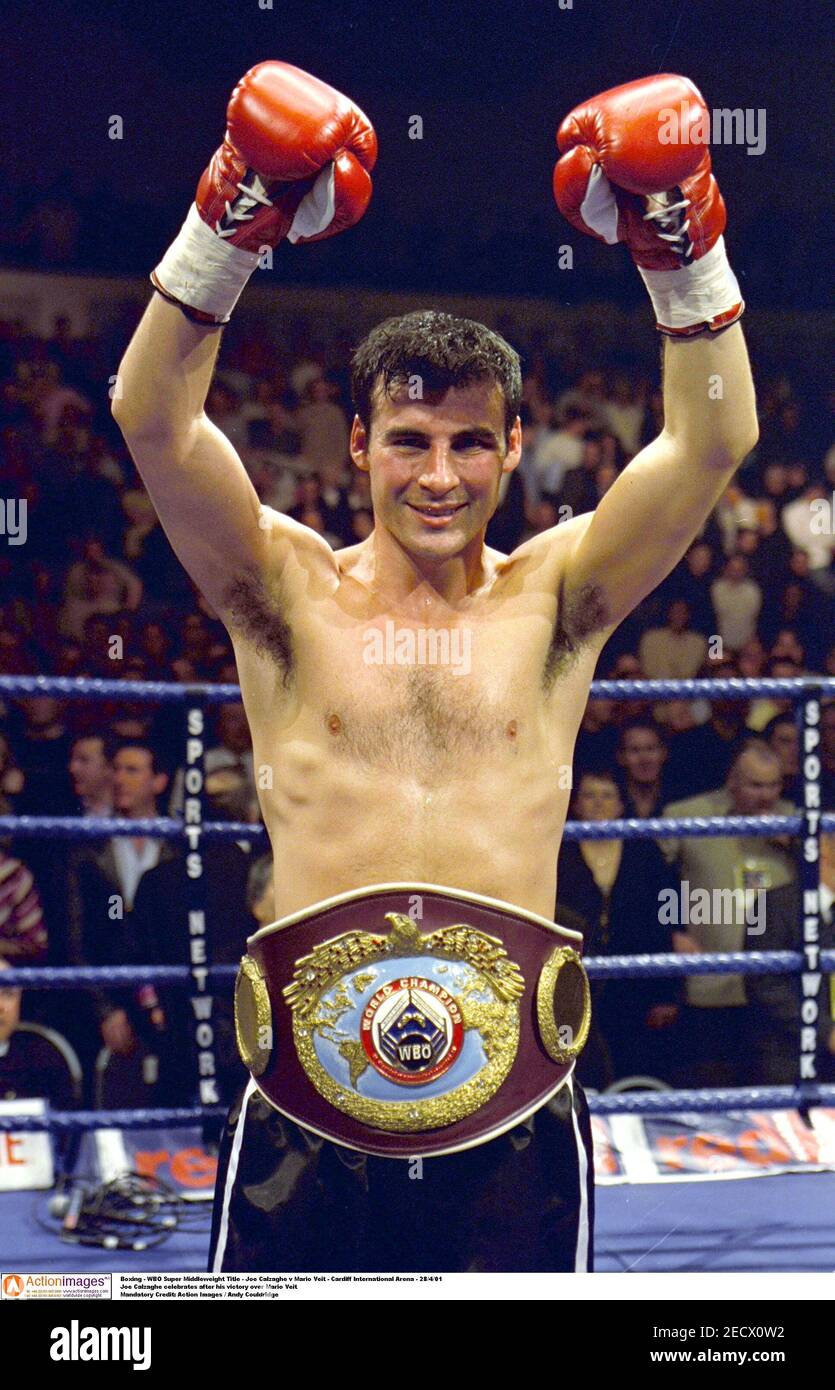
(203, 271)
(703, 294)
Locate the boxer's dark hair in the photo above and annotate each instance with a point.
(443, 351)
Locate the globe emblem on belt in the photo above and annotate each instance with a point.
(411, 1030)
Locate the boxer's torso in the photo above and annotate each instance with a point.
(412, 741)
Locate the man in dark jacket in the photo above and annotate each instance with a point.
(161, 925)
(103, 881)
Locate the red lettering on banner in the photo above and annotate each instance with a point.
(713, 1151)
(193, 1168)
(762, 1144)
(189, 1167)
(8, 1143)
(755, 1148)
(669, 1148)
(147, 1163)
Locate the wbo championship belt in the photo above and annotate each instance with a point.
(408, 1019)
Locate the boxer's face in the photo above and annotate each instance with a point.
(435, 465)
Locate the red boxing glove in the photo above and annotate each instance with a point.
(635, 168)
(295, 164)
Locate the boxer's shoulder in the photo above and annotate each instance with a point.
(261, 602)
(294, 552)
(543, 560)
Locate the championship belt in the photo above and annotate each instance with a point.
(411, 1020)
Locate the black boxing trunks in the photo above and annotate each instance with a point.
(290, 1202)
(411, 1050)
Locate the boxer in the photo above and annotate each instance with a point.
(416, 696)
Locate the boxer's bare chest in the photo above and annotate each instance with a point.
(385, 687)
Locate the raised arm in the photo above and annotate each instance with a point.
(651, 514)
(196, 481)
(294, 165)
(635, 168)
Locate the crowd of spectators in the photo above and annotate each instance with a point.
(90, 586)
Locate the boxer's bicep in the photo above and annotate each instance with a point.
(204, 499)
(640, 529)
(658, 505)
(206, 504)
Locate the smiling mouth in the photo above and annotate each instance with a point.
(437, 511)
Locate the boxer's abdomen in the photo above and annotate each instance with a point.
(340, 818)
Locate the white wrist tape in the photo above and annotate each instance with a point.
(203, 271)
(704, 293)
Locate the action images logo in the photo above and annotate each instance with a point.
(75, 1343)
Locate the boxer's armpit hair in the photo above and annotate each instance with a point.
(580, 614)
(584, 612)
(258, 616)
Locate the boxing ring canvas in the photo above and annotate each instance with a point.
(783, 1223)
(756, 1193)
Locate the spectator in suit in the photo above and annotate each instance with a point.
(239, 899)
(102, 887)
(91, 774)
(91, 777)
(615, 886)
(161, 934)
(228, 764)
(774, 1000)
(725, 878)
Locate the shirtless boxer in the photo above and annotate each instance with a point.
(386, 771)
